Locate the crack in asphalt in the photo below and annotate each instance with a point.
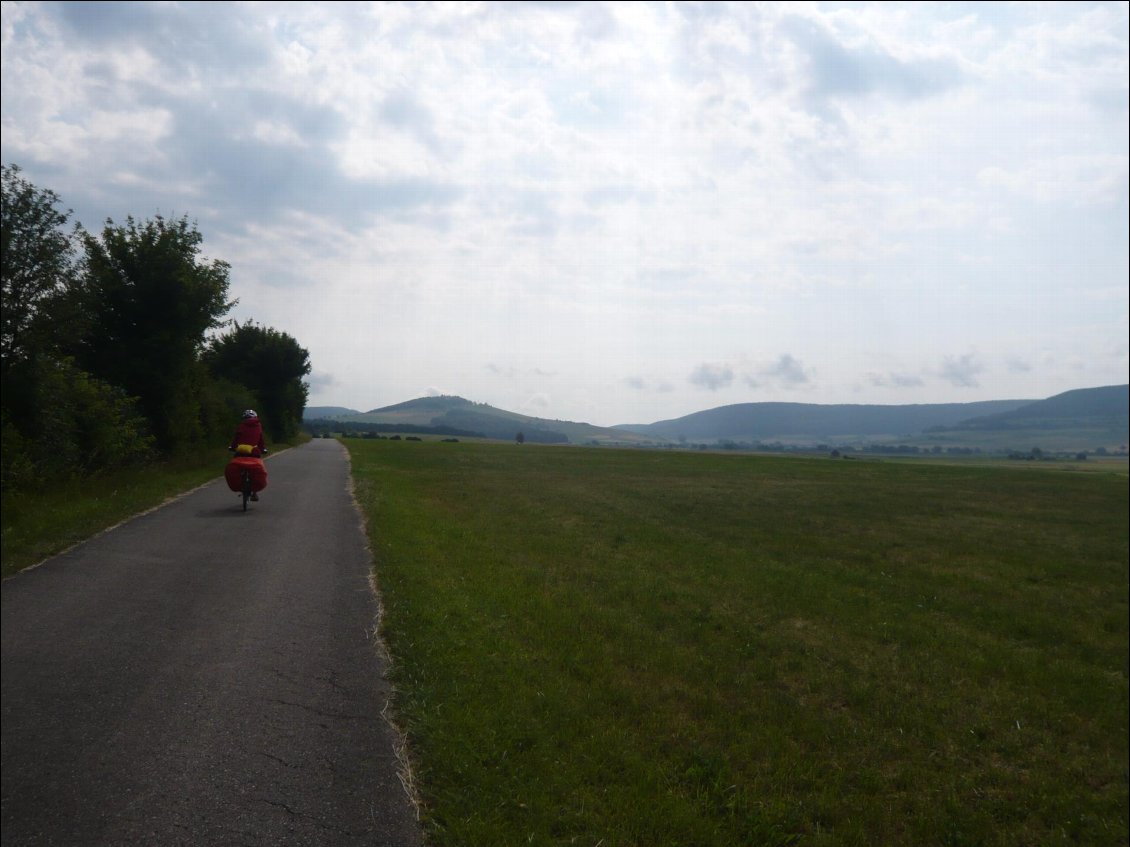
(320, 712)
(282, 762)
(318, 822)
(333, 683)
(280, 805)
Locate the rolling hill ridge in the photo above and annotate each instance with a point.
(1107, 405)
(1083, 419)
(761, 421)
(453, 415)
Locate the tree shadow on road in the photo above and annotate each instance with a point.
(233, 511)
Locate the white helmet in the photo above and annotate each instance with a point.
(249, 413)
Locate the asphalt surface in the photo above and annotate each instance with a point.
(201, 675)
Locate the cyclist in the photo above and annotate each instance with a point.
(249, 436)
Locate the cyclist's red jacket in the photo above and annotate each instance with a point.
(249, 431)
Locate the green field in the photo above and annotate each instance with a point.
(618, 647)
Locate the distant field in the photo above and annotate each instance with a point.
(643, 648)
(1048, 440)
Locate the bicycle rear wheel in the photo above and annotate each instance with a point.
(246, 477)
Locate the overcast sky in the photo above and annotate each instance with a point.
(616, 212)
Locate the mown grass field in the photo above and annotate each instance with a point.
(644, 648)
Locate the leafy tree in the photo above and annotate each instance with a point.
(222, 401)
(39, 264)
(58, 421)
(271, 364)
(104, 347)
(39, 260)
(151, 299)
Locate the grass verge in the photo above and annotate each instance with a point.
(628, 647)
(38, 524)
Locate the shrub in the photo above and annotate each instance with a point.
(84, 426)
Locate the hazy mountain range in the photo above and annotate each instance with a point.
(1084, 419)
(458, 416)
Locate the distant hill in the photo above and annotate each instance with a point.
(312, 412)
(458, 415)
(754, 422)
(1107, 407)
(1085, 419)
(1088, 419)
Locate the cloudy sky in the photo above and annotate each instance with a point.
(616, 212)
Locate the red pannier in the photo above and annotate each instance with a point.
(258, 473)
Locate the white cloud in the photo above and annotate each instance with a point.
(1074, 180)
(712, 376)
(961, 371)
(575, 193)
(320, 382)
(535, 404)
(895, 380)
(786, 372)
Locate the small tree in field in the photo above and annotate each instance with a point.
(520, 438)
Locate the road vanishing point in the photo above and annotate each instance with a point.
(202, 675)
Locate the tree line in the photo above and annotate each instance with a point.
(116, 347)
(319, 426)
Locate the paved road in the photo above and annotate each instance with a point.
(200, 675)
